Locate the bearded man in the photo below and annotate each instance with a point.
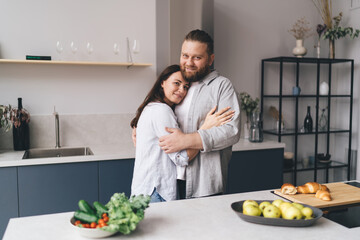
(206, 175)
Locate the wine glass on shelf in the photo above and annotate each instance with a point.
(116, 48)
(89, 48)
(73, 47)
(59, 48)
(136, 47)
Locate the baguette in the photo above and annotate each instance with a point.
(288, 189)
(323, 195)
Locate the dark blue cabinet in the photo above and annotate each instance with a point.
(255, 170)
(8, 196)
(56, 187)
(115, 176)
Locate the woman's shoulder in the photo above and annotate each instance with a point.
(158, 108)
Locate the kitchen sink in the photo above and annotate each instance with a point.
(57, 152)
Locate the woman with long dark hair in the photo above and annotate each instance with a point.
(154, 170)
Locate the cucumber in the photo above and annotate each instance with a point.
(100, 208)
(85, 207)
(85, 217)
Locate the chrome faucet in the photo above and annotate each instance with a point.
(57, 129)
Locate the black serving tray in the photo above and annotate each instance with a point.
(237, 207)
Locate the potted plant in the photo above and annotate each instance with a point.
(300, 30)
(17, 119)
(333, 29)
(5, 117)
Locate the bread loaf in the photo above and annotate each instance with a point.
(323, 195)
(288, 188)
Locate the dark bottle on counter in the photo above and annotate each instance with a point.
(21, 136)
(308, 122)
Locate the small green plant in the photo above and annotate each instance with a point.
(336, 31)
(248, 104)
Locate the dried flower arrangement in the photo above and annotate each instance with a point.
(248, 104)
(301, 29)
(275, 113)
(9, 117)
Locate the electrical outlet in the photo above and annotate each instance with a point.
(355, 4)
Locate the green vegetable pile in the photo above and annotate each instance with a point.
(124, 214)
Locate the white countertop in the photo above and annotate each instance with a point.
(9, 158)
(201, 219)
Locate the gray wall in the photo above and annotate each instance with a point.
(248, 31)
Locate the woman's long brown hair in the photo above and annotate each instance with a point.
(156, 93)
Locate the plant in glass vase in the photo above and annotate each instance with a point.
(333, 29)
(248, 105)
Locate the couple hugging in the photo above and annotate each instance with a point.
(185, 128)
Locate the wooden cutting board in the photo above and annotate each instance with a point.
(341, 194)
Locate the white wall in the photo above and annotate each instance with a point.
(34, 27)
(187, 15)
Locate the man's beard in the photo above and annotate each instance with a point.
(197, 76)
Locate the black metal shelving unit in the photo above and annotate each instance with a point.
(295, 132)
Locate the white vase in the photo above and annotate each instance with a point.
(246, 130)
(299, 50)
(324, 88)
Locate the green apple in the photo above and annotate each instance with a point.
(271, 211)
(263, 205)
(284, 206)
(307, 212)
(298, 205)
(251, 210)
(277, 202)
(292, 213)
(250, 202)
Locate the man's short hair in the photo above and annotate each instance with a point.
(203, 37)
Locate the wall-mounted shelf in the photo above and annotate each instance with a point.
(123, 64)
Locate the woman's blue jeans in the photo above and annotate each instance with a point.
(156, 197)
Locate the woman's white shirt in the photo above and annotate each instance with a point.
(153, 167)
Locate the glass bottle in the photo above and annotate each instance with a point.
(323, 120)
(308, 122)
(21, 136)
(256, 134)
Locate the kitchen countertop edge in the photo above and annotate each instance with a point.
(10, 158)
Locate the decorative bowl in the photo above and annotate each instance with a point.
(322, 156)
(90, 232)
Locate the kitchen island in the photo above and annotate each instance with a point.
(52, 185)
(201, 219)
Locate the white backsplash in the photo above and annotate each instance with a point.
(76, 130)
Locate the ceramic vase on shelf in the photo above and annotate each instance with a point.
(331, 49)
(324, 88)
(247, 127)
(299, 50)
(246, 130)
(318, 49)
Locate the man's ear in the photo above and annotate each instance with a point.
(211, 60)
